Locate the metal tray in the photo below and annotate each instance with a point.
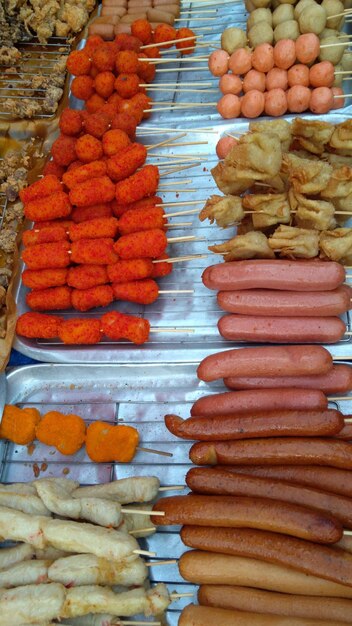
(133, 394)
(198, 311)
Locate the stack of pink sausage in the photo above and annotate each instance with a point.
(265, 522)
(280, 301)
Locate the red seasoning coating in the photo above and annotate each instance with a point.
(86, 276)
(143, 183)
(120, 326)
(126, 161)
(94, 229)
(50, 208)
(142, 219)
(63, 150)
(86, 299)
(93, 251)
(120, 209)
(85, 213)
(42, 188)
(161, 269)
(94, 191)
(43, 279)
(80, 331)
(85, 172)
(47, 255)
(38, 325)
(140, 291)
(44, 235)
(50, 299)
(136, 245)
(133, 269)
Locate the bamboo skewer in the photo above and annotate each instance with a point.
(156, 563)
(173, 488)
(186, 69)
(166, 142)
(157, 60)
(157, 45)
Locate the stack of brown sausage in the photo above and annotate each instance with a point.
(266, 521)
(117, 15)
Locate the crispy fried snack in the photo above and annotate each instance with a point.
(133, 269)
(271, 209)
(224, 210)
(86, 299)
(252, 245)
(294, 242)
(19, 425)
(315, 214)
(80, 331)
(144, 291)
(120, 326)
(106, 442)
(306, 176)
(38, 325)
(336, 245)
(148, 245)
(312, 135)
(66, 433)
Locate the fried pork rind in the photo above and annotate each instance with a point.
(315, 214)
(340, 183)
(272, 209)
(281, 128)
(252, 245)
(306, 176)
(256, 156)
(341, 139)
(312, 135)
(293, 242)
(336, 245)
(224, 210)
(228, 180)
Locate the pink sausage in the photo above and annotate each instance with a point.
(240, 61)
(266, 361)
(298, 75)
(338, 380)
(285, 303)
(254, 80)
(275, 274)
(263, 57)
(307, 48)
(259, 400)
(259, 329)
(276, 79)
(284, 53)
(275, 102)
(321, 100)
(298, 98)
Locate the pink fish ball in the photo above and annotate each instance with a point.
(230, 84)
(284, 53)
(218, 62)
(252, 103)
(307, 48)
(229, 106)
(275, 102)
(298, 75)
(338, 102)
(263, 57)
(298, 98)
(322, 74)
(276, 79)
(224, 146)
(321, 100)
(240, 61)
(254, 80)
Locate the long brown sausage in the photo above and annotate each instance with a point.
(222, 569)
(194, 615)
(325, 478)
(257, 424)
(236, 512)
(243, 599)
(268, 274)
(285, 303)
(338, 379)
(274, 451)
(346, 432)
(260, 400)
(268, 329)
(216, 481)
(266, 361)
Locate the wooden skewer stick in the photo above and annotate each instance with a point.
(157, 60)
(150, 130)
(161, 453)
(333, 45)
(177, 182)
(185, 203)
(181, 84)
(178, 259)
(180, 169)
(141, 530)
(166, 142)
(136, 623)
(185, 238)
(345, 95)
(138, 511)
(153, 45)
(345, 12)
(189, 212)
(175, 596)
(173, 488)
(176, 90)
(154, 563)
(145, 552)
(167, 330)
(343, 72)
(186, 69)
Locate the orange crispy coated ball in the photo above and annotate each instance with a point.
(106, 443)
(78, 63)
(94, 103)
(80, 331)
(127, 85)
(63, 150)
(87, 299)
(165, 33)
(40, 189)
(114, 141)
(141, 245)
(70, 122)
(97, 124)
(127, 161)
(131, 108)
(184, 33)
(53, 168)
(146, 69)
(144, 103)
(104, 84)
(87, 276)
(49, 208)
(132, 269)
(123, 41)
(152, 53)
(142, 30)
(91, 229)
(82, 87)
(93, 43)
(93, 252)
(84, 172)
(54, 298)
(120, 326)
(95, 191)
(84, 213)
(43, 279)
(74, 165)
(126, 62)
(125, 122)
(89, 148)
(18, 425)
(66, 433)
(47, 255)
(104, 58)
(38, 326)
